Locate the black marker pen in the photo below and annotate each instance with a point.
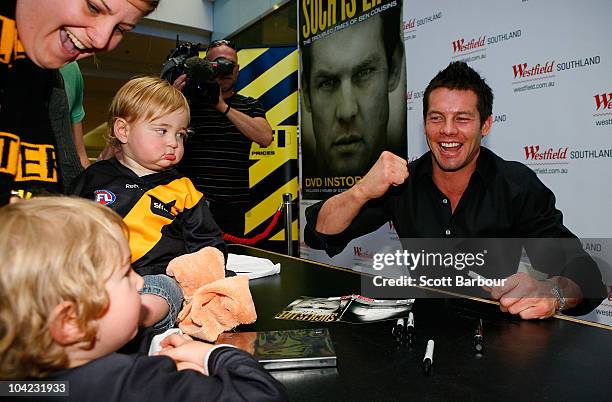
(428, 359)
(478, 337)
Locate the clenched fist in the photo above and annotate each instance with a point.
(389, 170)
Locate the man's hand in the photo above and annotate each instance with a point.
(256, 129)
(338, 212)
(221, 106)
(179, 82)
(530, 298)
(389, 170)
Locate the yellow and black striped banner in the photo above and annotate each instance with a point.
(270, 75)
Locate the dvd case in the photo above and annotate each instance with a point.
(353, 309)
(287, 349)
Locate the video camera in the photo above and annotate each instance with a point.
(201, 73)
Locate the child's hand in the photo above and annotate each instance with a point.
(174, 340)
(187, 354)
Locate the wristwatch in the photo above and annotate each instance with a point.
(558, 293)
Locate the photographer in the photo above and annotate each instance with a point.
(217, 155)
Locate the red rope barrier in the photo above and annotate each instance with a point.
(255, 239)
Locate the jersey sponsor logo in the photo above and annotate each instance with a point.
(161, 209)
(104, 197)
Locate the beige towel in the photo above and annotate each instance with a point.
(213, 304)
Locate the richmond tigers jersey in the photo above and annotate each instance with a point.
(27, 143)
(165, 214)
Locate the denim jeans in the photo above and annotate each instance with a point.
(167, 288)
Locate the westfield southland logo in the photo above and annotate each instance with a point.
(360, 252)
(410, 25)
(603, 101)
(603, 105)
(461, 46)
(524, 70)
(534, 153)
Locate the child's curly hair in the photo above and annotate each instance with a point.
(52, 249)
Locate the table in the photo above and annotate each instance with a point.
(553, 359)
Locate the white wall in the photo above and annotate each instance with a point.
(191, 19)
(232, 15)
(192, 13)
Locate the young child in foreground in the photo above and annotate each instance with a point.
(69, 300)
(166, 215)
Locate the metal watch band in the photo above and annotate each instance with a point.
(558, 293)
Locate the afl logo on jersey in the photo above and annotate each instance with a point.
(104, 197)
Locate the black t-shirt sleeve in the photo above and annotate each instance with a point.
(371, 217)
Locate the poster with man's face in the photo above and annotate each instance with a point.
(353, 87)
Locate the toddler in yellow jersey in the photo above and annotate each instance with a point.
(166, 216)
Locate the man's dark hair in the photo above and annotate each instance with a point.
(390, 35)
(458, 75)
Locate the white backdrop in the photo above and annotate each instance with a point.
(549, 64)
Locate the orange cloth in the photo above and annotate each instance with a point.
(195, 270)
(213, 304)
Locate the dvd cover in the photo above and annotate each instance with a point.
(287, 349)
(353, 309)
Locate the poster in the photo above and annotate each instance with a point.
(352, 91)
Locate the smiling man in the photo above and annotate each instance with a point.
(460, 189)
(37, 154)
(347, 78)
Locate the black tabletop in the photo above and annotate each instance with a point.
(553, 359)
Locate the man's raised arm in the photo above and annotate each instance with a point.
(338, 212)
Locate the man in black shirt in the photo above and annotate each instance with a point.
(217, 155)
(462, 190)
